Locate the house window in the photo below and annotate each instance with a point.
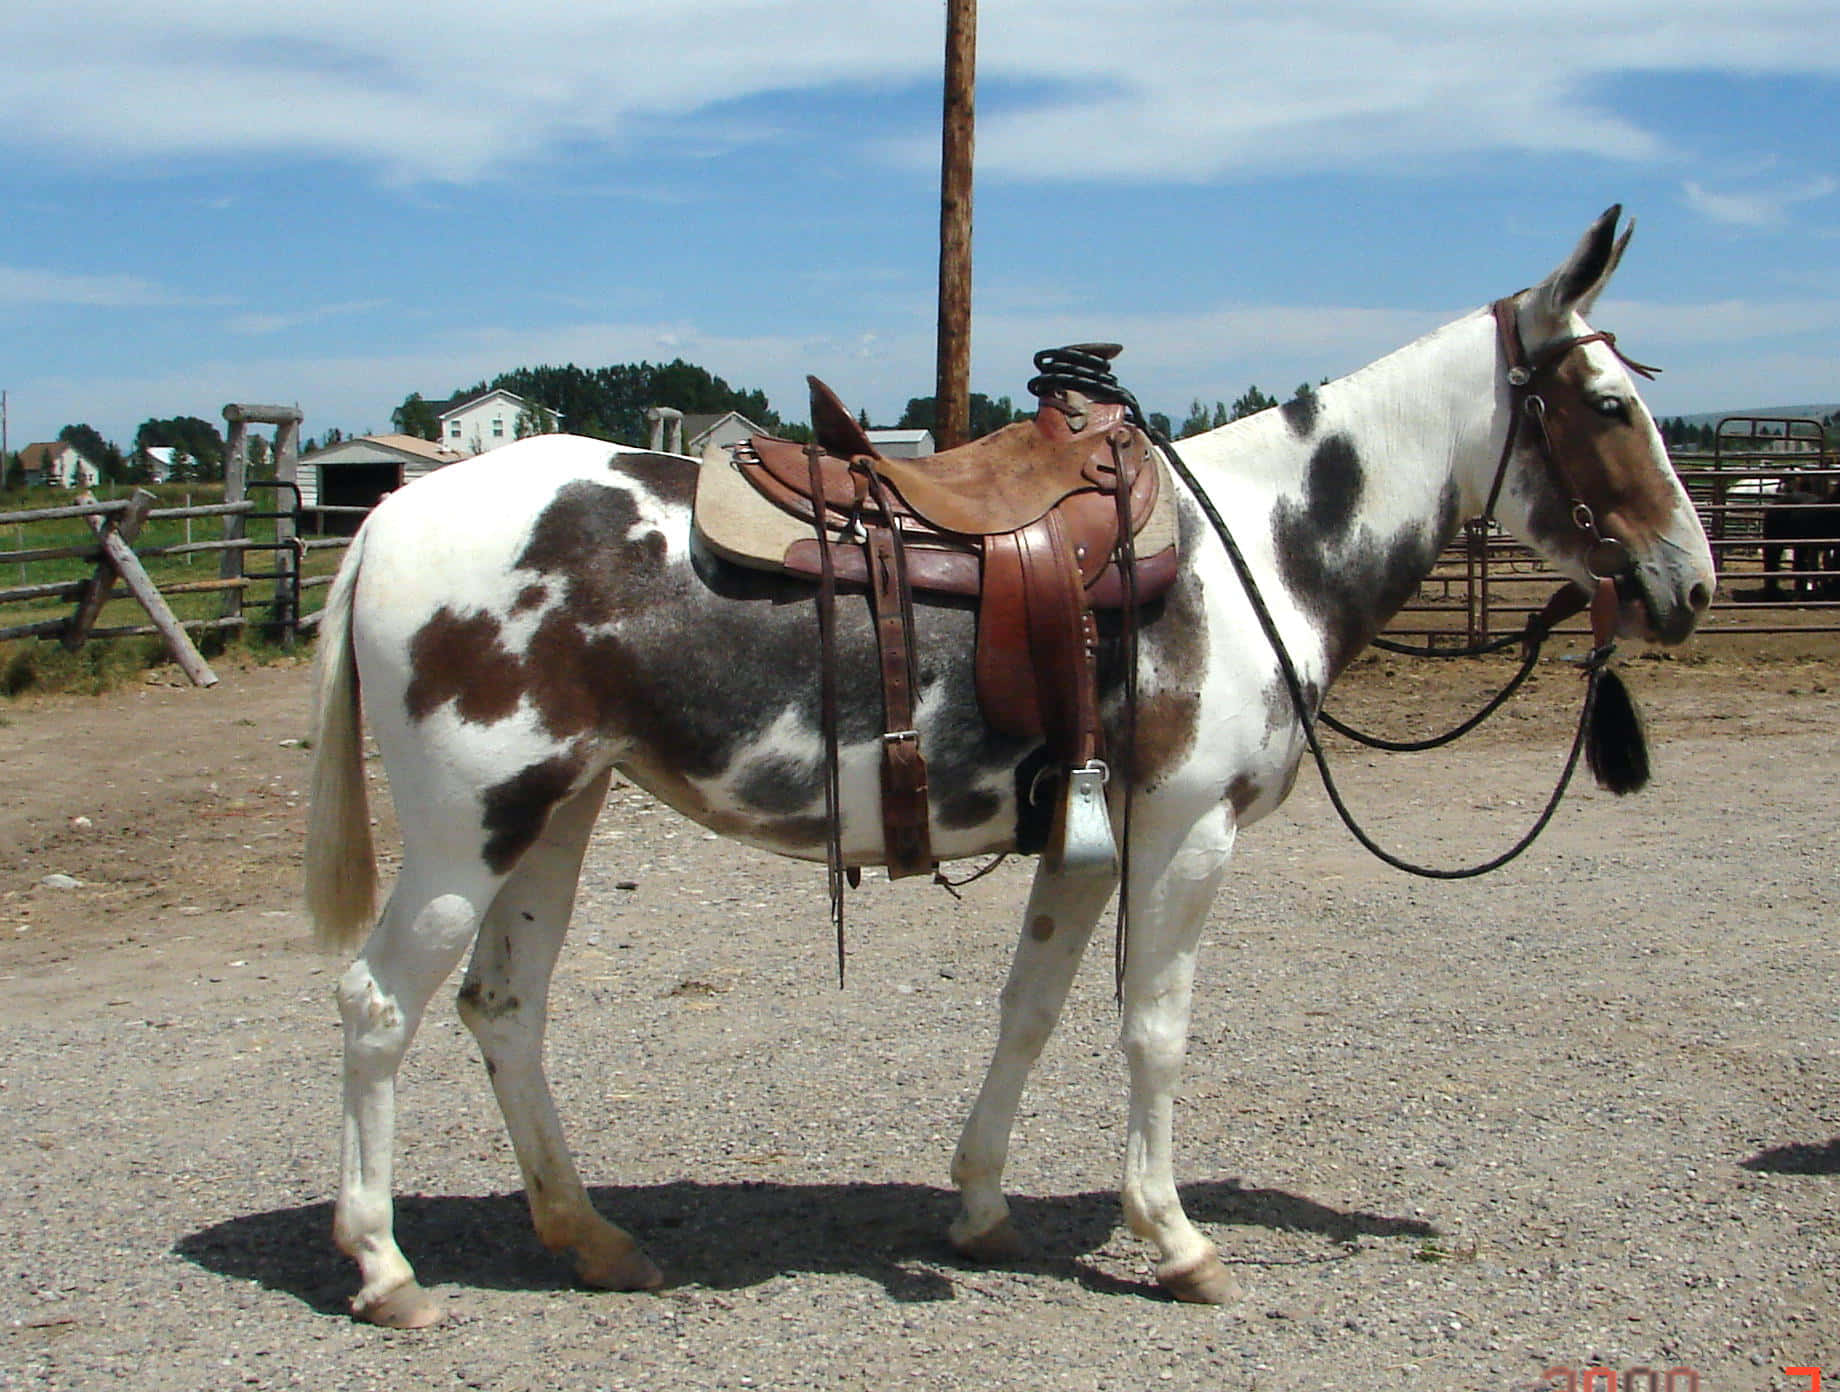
(453, 431)
(498, 427)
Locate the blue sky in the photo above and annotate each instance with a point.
(339, 204)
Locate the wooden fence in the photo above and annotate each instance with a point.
(121, 571)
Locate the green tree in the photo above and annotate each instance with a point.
(534, 419)
(609, 403)
(1198, 419)
(987, 415)
(417, 417)
(1251, 403)
(102, 453)
(200, 440)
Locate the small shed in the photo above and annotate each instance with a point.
(902, 444)
(357, 473)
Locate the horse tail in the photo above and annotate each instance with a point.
(341, 863)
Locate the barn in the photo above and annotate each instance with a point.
(357, 473)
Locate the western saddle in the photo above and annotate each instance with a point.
(1042, 523)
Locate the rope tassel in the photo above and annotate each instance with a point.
(1616, 747)
(1616, 744)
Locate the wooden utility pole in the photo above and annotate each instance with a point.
(952, 397)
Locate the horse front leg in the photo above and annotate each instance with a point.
(1168, 909)
(1056, 927)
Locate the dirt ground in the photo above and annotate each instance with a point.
(1581, 1114)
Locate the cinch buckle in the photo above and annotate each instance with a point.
(901, 736)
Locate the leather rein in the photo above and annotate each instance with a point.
(1609, 561)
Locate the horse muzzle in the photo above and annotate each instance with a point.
(1665, 592)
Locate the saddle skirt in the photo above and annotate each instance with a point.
(1027, 522)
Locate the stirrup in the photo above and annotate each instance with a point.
(1083, 843)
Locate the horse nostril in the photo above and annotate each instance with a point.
(1700, 597)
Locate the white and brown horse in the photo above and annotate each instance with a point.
(523, 624)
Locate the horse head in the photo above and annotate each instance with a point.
(1584, 476)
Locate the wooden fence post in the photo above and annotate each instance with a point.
(119, 556)
(236, 528)
(287, 562)
(96, 593)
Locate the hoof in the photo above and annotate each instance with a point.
(999, 1244)
(1203, 1282)
(406, 1307)
(626, 1269)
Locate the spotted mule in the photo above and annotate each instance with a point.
(524, 624)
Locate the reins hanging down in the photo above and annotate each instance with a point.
(1609, 734)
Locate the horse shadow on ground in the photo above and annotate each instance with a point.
(731, 1236)
(1797, 1158)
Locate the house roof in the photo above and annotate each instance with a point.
(366, 448)
(459, 404)
(695, 427)
(415, 444)
(46, 452)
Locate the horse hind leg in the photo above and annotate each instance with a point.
(1057, 925)
(423, 931)
(505, 1003)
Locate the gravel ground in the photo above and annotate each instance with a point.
(1578, 1114)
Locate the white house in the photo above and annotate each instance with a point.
(58, 465)
(357, 473)
(484, 422)
(728, 428)
(157, 460)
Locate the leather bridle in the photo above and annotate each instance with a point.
(1608, 558)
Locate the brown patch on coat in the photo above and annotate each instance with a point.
(570, 673)
(581, 542)
(1243, 792)
(586, 540)
(1167, 726)
(1176, 646)
(461, 659)
(517, 809)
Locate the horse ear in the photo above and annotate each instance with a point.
(1575, 286)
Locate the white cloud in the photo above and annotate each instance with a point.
(1756, 208)
(427, 90)
(271, 323)
(27, 286)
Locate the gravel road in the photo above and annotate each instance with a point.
(1580, 1114)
